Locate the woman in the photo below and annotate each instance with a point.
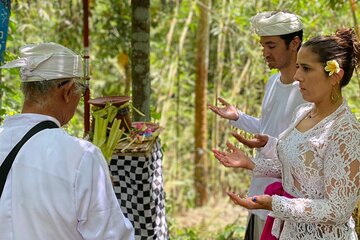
(318, 156)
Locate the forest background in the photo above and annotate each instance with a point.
(237, 72)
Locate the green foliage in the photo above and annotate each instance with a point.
(232, 232)
(11, 100)
(187, 234)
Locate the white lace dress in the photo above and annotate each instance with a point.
(321, 169)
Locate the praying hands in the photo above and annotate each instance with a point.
(255, 202)
(227, 111)
(234, 158)
(257, 142)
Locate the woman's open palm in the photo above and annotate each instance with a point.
(234, 157)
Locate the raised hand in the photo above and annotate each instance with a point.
(255, 202)
(234, 157)
(257, 142)
(227, 111)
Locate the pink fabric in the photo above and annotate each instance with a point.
(275, 188)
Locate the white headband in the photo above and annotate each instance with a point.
(47, 61)
(275, 23)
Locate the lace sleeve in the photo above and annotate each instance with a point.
(267, 163)
(265, 167)
(342, 183)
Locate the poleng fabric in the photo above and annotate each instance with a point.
(138, 185)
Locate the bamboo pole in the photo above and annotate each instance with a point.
(353, 11)
(356, 28)
(173, 69)
(219, 70)
(86, 66)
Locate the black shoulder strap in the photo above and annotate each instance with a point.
(6, 165)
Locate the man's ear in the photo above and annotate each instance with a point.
(295, 43)
(66, 91)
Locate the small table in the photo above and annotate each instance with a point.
(138, 185)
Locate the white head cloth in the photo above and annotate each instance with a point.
(46, 61)
(275, 23)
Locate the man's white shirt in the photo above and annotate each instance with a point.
(57, 188)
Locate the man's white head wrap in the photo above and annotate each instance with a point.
(46, 61)
(275, 23)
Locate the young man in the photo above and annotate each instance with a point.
(280, 36)
(58, 186)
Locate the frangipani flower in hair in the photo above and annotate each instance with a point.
(332, 67)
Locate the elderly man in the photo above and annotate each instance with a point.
(280, 36)
(58, 186)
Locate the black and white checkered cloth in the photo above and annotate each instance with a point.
(138, 185)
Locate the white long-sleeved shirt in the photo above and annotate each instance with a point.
(321, 169)
(58, 187)
(278, 105)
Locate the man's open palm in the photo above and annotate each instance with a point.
(227, 111)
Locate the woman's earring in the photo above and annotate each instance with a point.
(334, 96)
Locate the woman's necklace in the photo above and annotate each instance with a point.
(313, 113)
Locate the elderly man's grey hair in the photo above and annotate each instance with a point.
(38, 91)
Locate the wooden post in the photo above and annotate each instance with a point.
(202, 60)
(140, 58)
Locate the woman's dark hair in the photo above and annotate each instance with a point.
(342, 47)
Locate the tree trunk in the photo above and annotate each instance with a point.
(202, 59)
(5, 7)
(140, 58)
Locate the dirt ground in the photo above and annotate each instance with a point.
(212, 218)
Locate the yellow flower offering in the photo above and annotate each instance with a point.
(332, 67)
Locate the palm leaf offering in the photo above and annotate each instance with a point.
(141, 132)
(105, 137)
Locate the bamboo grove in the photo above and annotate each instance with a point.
(179, 31)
